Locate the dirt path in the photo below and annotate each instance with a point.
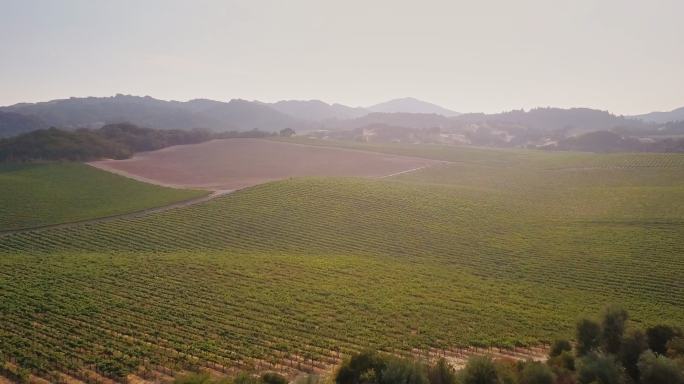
(402, 172)
(144, 212)
(198, 200)
(240, 163)
(233, 165)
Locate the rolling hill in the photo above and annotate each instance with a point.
(316, 110)
(411, 105)
(93, 112)
(496, 248)
(662, 117)
(12, 123)
(35, 195)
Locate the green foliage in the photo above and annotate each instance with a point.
(365, 367)
(502, 248)
(479, 370)
(602, 369)
(656, 369)
(308, 378)
(403, 371)
(659, 336)
(273, 378)
(56, 144)
(41, 194)
(536, 373)
(114, 141)
(588, 335)
(245, 378)
(559, 346)
(441, 373)
(508, 371)
(565, 362)
(632, 346)
(675, 347)
(613, 326)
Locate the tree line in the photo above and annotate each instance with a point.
(112, 141)
(605, 351)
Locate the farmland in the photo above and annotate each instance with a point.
(494, 248)
(42, 194)
(238, 163)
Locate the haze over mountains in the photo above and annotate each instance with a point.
(411, 105)
(663, 117)
(401, 120)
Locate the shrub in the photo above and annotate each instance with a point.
(559, 346)
(613, 328)
(564, 362)
(365, 367)
(675, 347)
(536, 373)
(659, 336)
(588, 336)
(479, 370)
(656, 369)
(273, 378)
(441, 373)
(633, 345)
(401, 371)
(603, 369)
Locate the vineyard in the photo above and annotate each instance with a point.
(35, 195)
(497, 251)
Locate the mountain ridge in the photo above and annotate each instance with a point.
(674, 115)
(411, 105)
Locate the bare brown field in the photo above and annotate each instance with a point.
(238, 163)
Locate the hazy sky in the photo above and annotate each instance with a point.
(626, 56)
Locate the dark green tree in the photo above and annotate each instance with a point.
(563, 362)
(479, 370)
(441, 373)
(675, 347)
(613, 328)
(559, 346)
(659, 336)
(656, 369)
(632, 346)
(603, 369)
(243, 378)
(273, 378)
(536, 373)
(402, 371)
(588, 336)
(365, 367)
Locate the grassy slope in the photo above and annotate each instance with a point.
(40, 194)
(480, 251)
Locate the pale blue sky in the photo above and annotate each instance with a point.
(625, 56)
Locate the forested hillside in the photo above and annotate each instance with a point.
(114, 141)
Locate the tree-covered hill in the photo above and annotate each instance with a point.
(116, 141)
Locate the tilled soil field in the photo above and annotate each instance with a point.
(238, 163)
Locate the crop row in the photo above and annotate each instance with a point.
(293, 274)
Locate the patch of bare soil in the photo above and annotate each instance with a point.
(237, 163)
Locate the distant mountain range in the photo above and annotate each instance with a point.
(399, 120)
(316, 110)
(94, 112)
(411, 105)
(662, 117)
(12, 123)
